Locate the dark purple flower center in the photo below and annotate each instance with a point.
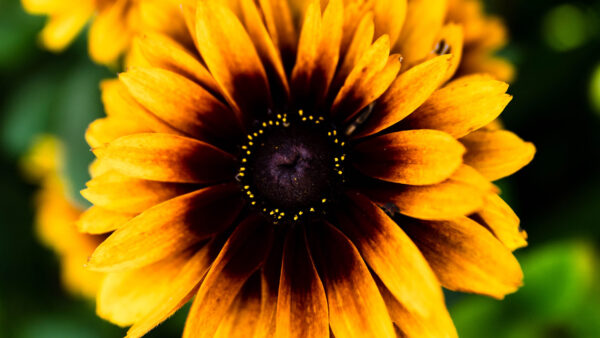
(292, 166)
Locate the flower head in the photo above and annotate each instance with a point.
(288, 175)
(114, 23)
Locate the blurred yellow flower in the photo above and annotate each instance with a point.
(483, 36)
(114, 23)
(250, 170)
(56, 216)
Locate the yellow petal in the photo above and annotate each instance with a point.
(463, 105)
(163, 52)
(415, 157)
(318, 53)
(451, 35)
(356, 308)
(119, 103)
(109, 34)
(424, 19)
(107, 129)
(231, 58)
(163, 17)
(369, 78)
(497, 216)
(126, 297)
(460, 195)
(97, 220)
(63, 27)
(391, 255)
(437, 325)
(406, 94)
(117, 192)
(241, 256)
(497, 154)
(242, 316)
(485, 63)
(389, 18)
(465, 256)
(180, 291)
(168, 158)
(48, 6)
(168, 228)
(301, 303)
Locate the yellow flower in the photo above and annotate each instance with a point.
(114, 23)
(56, 216)
(483, 36)
(252, 170)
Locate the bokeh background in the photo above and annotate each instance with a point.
(555, 45)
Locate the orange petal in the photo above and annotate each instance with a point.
(497, 216)
(302, 303)
(163, 52)
(119, 103)
(109, 34)
(241, 318)
(497, 154)
(465, 256)
(242, 255)
(391, 255)
(318, 53)
(370, 78)
(266, 48)
(406, 94)
(180, 291)
(168, 228)
(166, 157)
(280, 23)
(125, 297)
(437, 325)
(231, 58)
(415, 157)
(269, 277)
(350, 288)
(180, 102)
(461, 194)
(116, 192)
(424, 19)
(360, 43)
(108, 129)
(97, 220)
(463, 105)
(354, 12)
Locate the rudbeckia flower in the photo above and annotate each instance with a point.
(114, 23)
(301, 172)
(56, 216)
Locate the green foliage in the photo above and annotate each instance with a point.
(559, 299)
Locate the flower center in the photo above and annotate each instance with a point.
(292, 166)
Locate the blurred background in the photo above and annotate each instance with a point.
(555, 46)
